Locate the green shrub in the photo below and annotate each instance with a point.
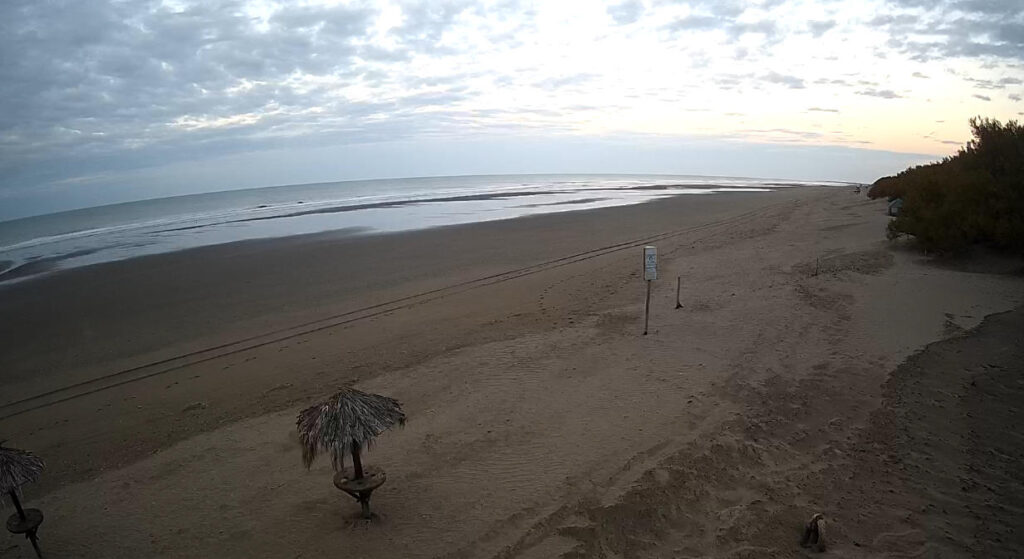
(976, 196)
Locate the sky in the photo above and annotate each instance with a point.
(113, 101)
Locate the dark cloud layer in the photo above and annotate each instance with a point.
(956, 28)
(99, 81)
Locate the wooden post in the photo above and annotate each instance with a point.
(679, 283)
(647, 307)
(357, 463)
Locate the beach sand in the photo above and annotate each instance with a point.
(814, 367)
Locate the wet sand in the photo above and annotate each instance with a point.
(541, 424)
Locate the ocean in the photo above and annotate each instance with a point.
(38, 245)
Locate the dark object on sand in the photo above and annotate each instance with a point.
(894, 207)
(346, 423)
(17, 468)
(814, 533)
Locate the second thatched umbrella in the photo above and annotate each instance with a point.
(347, 423)
(17, 468)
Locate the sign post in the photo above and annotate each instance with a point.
(650, 274)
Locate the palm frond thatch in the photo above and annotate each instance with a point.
(18, 467)
(349, 415)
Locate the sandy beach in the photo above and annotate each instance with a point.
(814, 367)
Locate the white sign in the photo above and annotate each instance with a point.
(650, 263)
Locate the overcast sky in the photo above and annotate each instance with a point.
(111, 101)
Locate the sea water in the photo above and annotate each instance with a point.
(42, 244)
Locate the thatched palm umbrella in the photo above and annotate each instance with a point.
(346, 423)
(17, 468)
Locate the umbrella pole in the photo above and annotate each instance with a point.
(17, 504)
(31, 535)
(35, 543)
(357, 463)
(357, 466)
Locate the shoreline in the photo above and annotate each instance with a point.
(39, 264)
(771, 180)
(770, 365)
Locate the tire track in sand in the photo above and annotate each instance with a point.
(181, 361)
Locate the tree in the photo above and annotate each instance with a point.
(975, 196)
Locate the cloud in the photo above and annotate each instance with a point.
(626, 12)
(765, 27)
(791, 82)
(722, 17)
(986, 84)
(1000, 8)
(883, 20)
(832, 81)
(945, 29)
(98, 82)
(96, 89)
(783, 134)
(819, 28)
(821, 110)
(883, 93)
(694, 23)
(565, 81)
(110, 70)
(425, 23)
(982, 97)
